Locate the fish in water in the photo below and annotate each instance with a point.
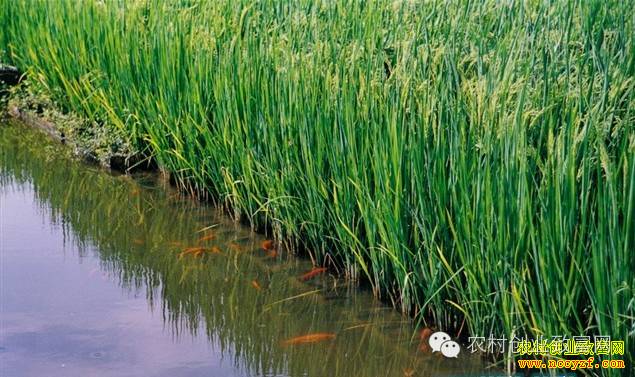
(425, 333)
(272, 253)
(267, 245)
(309, 338)
(313, 273)
(195, 251)
(209, 237)
(255, 284)
(215, 250)
(138, 242)
(424, 339)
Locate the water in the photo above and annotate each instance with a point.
(94, 282)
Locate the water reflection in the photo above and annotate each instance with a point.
(234, 302)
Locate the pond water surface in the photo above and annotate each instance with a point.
(95, 282)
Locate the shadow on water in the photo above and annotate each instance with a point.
(240, 299)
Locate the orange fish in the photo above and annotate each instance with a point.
(193, 249)
(313, 273)
(256, 285)
(215, 250)
(424, 337)
(408, 372)
(267, 245)
(207, 238)
(309, 338)
(272, 253)
(137, 242)
(425, 334)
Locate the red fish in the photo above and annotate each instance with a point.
(137, 242)
(309, 338)
(255, 284)
(313, 273)
(267, 245)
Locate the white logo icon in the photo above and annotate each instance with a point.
(440, 341)
(450, 349)
(437, 339)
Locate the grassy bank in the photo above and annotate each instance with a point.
(474, 161)
(91, 139)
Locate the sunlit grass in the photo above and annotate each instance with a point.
(472, 160)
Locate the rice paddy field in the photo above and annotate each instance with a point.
(473, 162)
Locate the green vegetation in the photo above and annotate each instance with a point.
(474, 161)
(98, 142)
